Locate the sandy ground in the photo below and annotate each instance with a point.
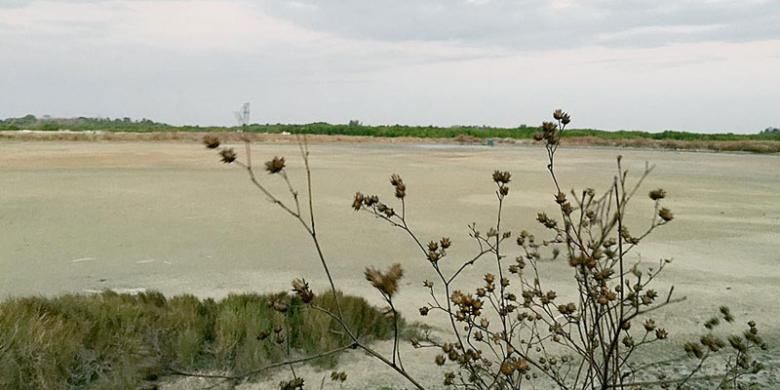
(84, 216)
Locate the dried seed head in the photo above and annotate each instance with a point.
(507, 367)
(211, 141)
(337, 376)
(424, 310)
(665, 214)
(440, 360)
(657, 194)
(560, 198)
(400, 187)
(279, 306)
(445, 243)
(546, 221)
(386, 283)
(227, 155)
(522, 365)
(275, 165)
(357, 203)
(502, 177)
(292, 384)
(559, 115)
(301, 288)
(694, 350)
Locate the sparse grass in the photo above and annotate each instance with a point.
(115, 341)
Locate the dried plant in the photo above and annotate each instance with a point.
(513, 330)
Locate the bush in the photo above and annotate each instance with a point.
(512, 331)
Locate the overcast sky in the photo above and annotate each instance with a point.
(700, 65)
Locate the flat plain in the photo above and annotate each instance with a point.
(88, 216)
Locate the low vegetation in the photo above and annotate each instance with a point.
(356, 128)
(123, 341)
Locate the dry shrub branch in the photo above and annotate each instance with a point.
(513, 331)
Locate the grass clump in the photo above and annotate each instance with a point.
(115, 341)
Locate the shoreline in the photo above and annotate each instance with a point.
(747, 146)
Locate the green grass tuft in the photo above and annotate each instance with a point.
(116, 341)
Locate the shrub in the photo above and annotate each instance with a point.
(512, 330)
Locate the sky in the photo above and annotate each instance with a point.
(696, 65)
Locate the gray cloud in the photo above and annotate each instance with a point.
(538, 24)
(697, 65)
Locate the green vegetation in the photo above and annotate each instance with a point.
(118, 341)
(355, 128)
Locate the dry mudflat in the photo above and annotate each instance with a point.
(87, 216)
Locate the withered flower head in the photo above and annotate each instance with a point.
(370, 200)
(665, 214)
(275, 165)
(386, 283)
(279, 306)
(211, 141)
(400, 187)
(440, 360)
(522, 365)
(445, 242)
(337, 376)
(508, 367)
(657, 194)
(546, 221)
(502, 177)
(292, 384)
(228, 155)
(424, 310)
(560, 198)
(559, 115)
(301, 288)
(357, 203)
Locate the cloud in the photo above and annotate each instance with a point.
(615, 64)
(537, 24)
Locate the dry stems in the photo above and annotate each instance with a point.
(513, 331)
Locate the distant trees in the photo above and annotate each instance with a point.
(48, 123)
(771, 130)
